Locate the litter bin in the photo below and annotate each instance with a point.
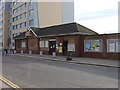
(69, 56)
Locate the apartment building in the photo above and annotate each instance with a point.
(39, 14)
(5, 24)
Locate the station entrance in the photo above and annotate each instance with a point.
(52, 46)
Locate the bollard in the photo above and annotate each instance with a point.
(8, 52)
(21, 51)
(69, 56)
(41, 53)
(30, 52)
(5, 52)
(53, 54)
(14, 52)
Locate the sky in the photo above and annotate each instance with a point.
(98, 15)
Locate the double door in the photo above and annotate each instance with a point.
(52, 47)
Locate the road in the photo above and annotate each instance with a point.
(39, 73)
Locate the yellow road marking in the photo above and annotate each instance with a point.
(10, 83)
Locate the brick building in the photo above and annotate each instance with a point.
(82, 41)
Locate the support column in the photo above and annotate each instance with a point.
(79, 45)
(104, 47)
(38, 45)
(27, 44)
(15, 44)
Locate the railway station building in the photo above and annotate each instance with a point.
(60, 39)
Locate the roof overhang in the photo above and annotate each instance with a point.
(76, 33)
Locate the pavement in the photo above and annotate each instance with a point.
(76, 60)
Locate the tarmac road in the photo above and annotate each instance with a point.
(36, 73)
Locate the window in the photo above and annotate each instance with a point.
(1, 15)
(14, 27)
(19, 17)
(18, 26)
(46, 44)
(19, 8)
(23, 44)
(1, 23)
(93, 45)
(14, 35)
(1, 44)
(14, 3)
(25, 14)
(1, 29)
(41, 43)
(23, 24)
(13, 11)
(31, 22)
(31, 12)
(1, 37)
(14, 19)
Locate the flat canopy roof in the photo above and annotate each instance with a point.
(64, 29)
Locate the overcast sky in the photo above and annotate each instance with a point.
(98, 15)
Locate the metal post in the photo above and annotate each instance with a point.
(14, 52)
(21, 51)
(30, 52)
(69, 56)
(54, 54)
(41, 53)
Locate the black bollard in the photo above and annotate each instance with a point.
(69, 56)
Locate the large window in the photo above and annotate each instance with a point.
(46, 44)
(93, 46)
(41, 43)
(23, 44)
(113, 45)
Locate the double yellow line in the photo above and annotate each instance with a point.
(10, 83)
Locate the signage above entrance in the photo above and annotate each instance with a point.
(52, 39)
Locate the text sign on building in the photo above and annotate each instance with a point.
(113, 45)
(71, 47)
